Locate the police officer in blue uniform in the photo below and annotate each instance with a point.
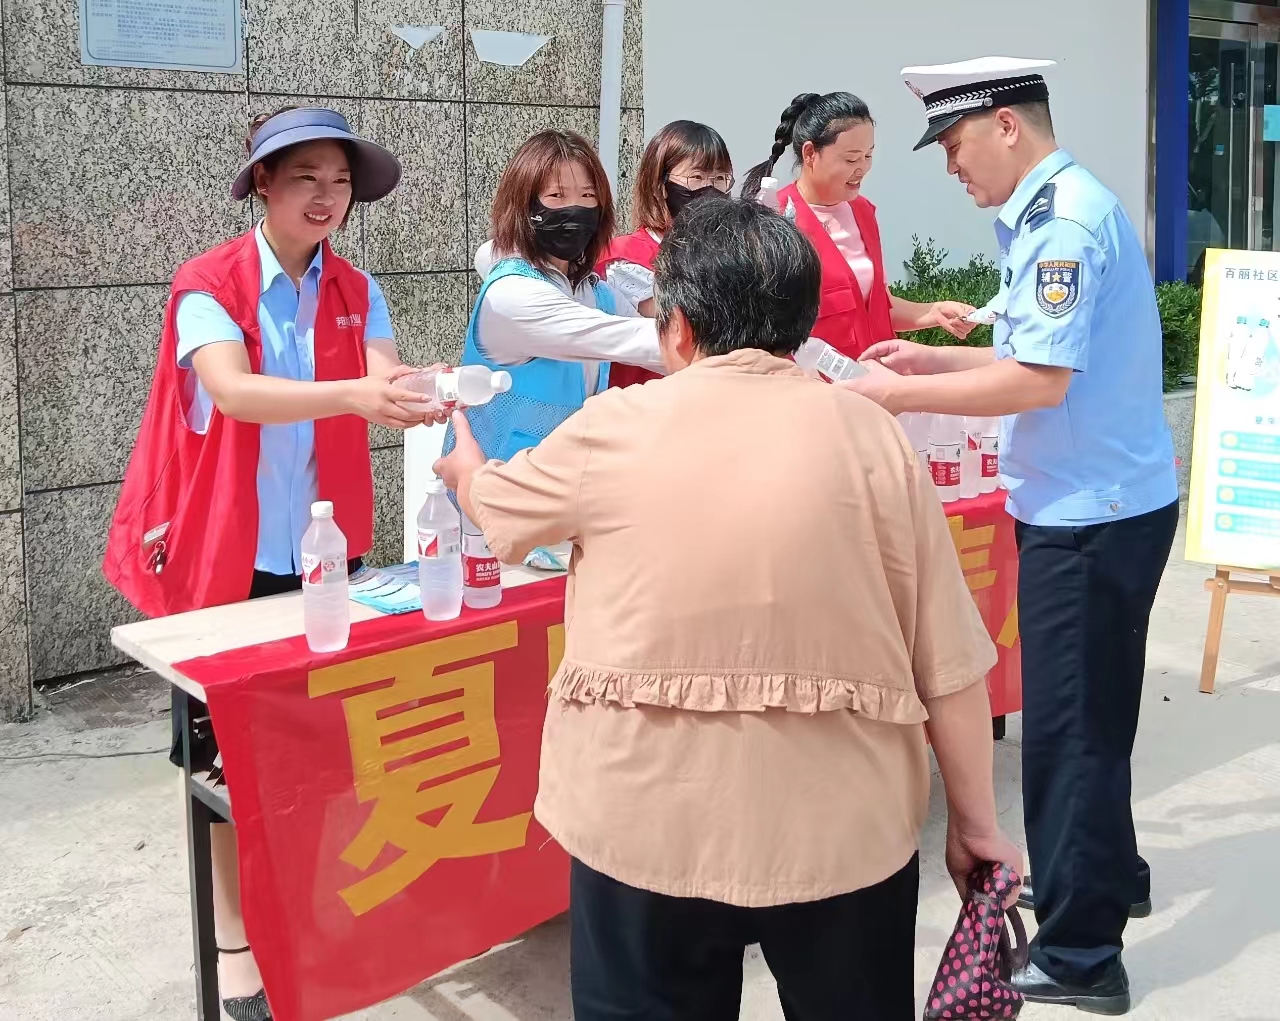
(1086, 456)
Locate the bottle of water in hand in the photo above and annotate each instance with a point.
(470, 386)
(326, 611)
(439, 555)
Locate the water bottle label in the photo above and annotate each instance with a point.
(974, 441)
(990, 457)
(432, 544)
(447, 388)
(480, 569)
(481, 573)
(945, 473)
(317, 570)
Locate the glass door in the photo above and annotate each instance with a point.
(1233, 174)
(1219, 177)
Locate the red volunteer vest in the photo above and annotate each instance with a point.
(846, 321)
(641, 249)
(185, 531)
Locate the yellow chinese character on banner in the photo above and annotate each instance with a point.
(973, 546)
(425, 753)
(1009, 630)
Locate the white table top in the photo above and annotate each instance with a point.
(163, 641)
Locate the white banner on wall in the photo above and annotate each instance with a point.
(178, 35)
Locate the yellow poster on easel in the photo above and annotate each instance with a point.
(1233, 514)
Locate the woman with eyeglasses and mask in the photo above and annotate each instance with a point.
(833, 137)
(682, 162)
(543, 314)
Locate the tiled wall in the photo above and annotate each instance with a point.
(112, 176)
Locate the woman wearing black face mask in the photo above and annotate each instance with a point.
(543, 315)
(683, 162)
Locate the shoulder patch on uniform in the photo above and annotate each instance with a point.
(1057, 287)
(1041, 209)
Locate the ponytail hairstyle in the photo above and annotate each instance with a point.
(810, 118)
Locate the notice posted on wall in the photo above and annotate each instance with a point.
(1233, 517)
(178, 35)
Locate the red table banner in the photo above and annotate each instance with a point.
(983, 533)
(383, 798)
(383, 795)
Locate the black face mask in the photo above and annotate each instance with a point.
(564, 233)
(678, 196)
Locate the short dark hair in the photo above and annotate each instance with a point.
(809, 118)
(533, 165)
(743, 276)
(677, 142)
(1038, 114)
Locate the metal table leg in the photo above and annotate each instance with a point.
(200, 816)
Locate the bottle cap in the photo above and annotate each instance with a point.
(436, 487)
(322, 509)
(500, 382)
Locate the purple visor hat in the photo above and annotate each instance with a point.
(375, 175)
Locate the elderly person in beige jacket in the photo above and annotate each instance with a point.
(765, 616)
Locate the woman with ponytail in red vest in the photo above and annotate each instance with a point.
(833, 138)
(684, 161)
(276, 354)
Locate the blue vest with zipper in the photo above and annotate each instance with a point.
(544, 392)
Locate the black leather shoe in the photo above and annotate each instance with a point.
(1027, 900)
(1107, 995)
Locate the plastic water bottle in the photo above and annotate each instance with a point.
(990, 450)
(971, 458)
(326, 611)
(439, 555)
(481, 572)
(818, 356)
(470, 385)
(945, 439)
(916, 426)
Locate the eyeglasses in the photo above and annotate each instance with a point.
(696, 182)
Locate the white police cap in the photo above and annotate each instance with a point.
(951, 91)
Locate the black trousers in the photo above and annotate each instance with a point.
(1085, 597)
(640, 956)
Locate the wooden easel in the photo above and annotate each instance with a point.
(1222, 585)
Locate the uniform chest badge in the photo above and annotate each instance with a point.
(1057, 287)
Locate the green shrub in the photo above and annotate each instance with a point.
(929, 279)
(1179, 304)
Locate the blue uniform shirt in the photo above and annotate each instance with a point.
(287, 461)
(1076, 293)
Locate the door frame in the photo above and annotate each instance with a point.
(1248, 34)
(1171, 27)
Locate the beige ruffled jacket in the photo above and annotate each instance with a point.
(762, 577)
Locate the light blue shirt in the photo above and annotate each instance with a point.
(287, 461)
(1076, 293)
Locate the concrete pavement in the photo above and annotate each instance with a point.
(93, 885)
